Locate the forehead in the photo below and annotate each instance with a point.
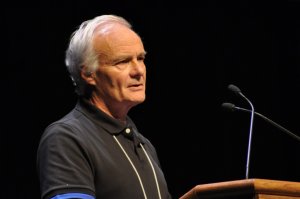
(116, 37)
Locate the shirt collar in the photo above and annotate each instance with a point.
(112, 125)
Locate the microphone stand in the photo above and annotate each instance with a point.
(250, 135)
(236, 90)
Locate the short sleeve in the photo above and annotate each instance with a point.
(63, 162)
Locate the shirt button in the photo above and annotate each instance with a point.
(127, 130)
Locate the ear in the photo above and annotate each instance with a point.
(88, 76)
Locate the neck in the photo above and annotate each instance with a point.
(113, 110)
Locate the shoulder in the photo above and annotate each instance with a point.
(68, 124)
(63, 130)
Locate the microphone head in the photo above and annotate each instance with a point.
(228, 106)
(234, 88)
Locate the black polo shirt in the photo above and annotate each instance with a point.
(78, 154)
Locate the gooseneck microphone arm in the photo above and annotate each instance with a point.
(236, 90)
(232, 107)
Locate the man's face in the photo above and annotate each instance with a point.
(121, 76)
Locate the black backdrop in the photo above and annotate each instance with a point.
(195, 49)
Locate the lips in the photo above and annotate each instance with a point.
(136, 86)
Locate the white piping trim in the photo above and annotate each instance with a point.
(154, 173)
(136, 172)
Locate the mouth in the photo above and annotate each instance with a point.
(136, 87)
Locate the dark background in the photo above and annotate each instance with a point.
(195, 50)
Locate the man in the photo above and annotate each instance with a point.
(96, 151)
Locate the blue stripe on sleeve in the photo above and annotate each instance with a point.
(73, 195)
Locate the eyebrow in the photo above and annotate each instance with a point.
(124, 56)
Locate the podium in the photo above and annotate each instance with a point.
(246, 189)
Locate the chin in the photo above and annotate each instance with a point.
(138, 100)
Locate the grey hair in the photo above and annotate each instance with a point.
(80, 51)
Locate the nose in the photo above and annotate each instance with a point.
(138, 67)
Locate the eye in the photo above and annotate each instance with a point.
(125, 61)
(122, 61)
(141, 58)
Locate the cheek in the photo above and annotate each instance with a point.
(119, 81)
(115, 80)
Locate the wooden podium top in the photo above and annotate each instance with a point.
(247, 188)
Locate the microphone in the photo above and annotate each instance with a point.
(232, 107)
(237, 91)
